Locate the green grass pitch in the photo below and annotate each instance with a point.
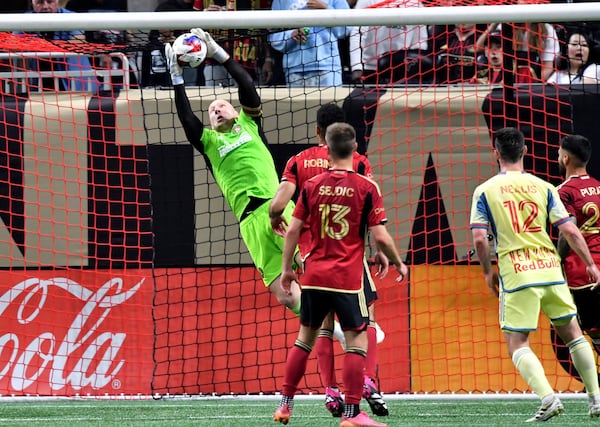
(234, 412)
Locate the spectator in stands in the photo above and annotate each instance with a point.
(333, 279)
(154, 67)
(73, 64)
(491, 69)
(106, 36)
(344, 49)
(52, 6)
(97, 6)
(311, 55)
(536, 45)
(454, 50)
(368, 44)
(577, 65)
(249, 48)
(236, 152)
(214, 73)
(490, 66)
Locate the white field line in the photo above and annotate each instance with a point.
(276, 397)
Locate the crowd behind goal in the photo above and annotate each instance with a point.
(424, 55)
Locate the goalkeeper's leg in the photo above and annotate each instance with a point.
(290, 300)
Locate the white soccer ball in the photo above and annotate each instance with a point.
(190, 50)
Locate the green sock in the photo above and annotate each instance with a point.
(296, 308)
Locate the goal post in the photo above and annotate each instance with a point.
(461, 12)
(123, 267)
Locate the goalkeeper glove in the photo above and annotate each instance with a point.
(173, 66)
(213, 49)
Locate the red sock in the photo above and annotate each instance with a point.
(295, 366)
(354, 367)
(324, 350)
(371, 359)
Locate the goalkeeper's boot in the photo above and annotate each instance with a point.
(552, 409)
(334, 402)
(283, 414)
(374, 398)
(594, 408)
(362, 420)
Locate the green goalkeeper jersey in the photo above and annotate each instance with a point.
(241, 163)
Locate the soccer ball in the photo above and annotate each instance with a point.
(190, 50)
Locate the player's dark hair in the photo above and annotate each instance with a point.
(328, 114)
(578, 147)
(340, 138)
(510, 144)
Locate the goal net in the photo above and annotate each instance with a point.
(123, 267)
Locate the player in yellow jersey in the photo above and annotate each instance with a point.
(517, 207)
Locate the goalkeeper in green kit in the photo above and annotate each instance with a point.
(236, 153)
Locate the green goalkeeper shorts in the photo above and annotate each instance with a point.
(265, 247)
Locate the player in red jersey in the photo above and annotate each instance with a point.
(309, 163)
(342, 206)
(580, 193)
(299, 169)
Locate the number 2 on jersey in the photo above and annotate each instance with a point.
(590, 209)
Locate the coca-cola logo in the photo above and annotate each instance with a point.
(85, 356)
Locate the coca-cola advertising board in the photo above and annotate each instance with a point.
(76, 332)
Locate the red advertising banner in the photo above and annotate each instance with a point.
(164, 331)
(68, 332)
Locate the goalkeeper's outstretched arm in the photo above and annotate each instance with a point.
(247, 91)
(249, 98)
(192, 125)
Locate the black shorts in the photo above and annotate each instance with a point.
(369, 285)
(587, 302)
(351, 309)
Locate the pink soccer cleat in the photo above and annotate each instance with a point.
(374, 398)
(334, 402)
(283, 414)
(361, 420)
